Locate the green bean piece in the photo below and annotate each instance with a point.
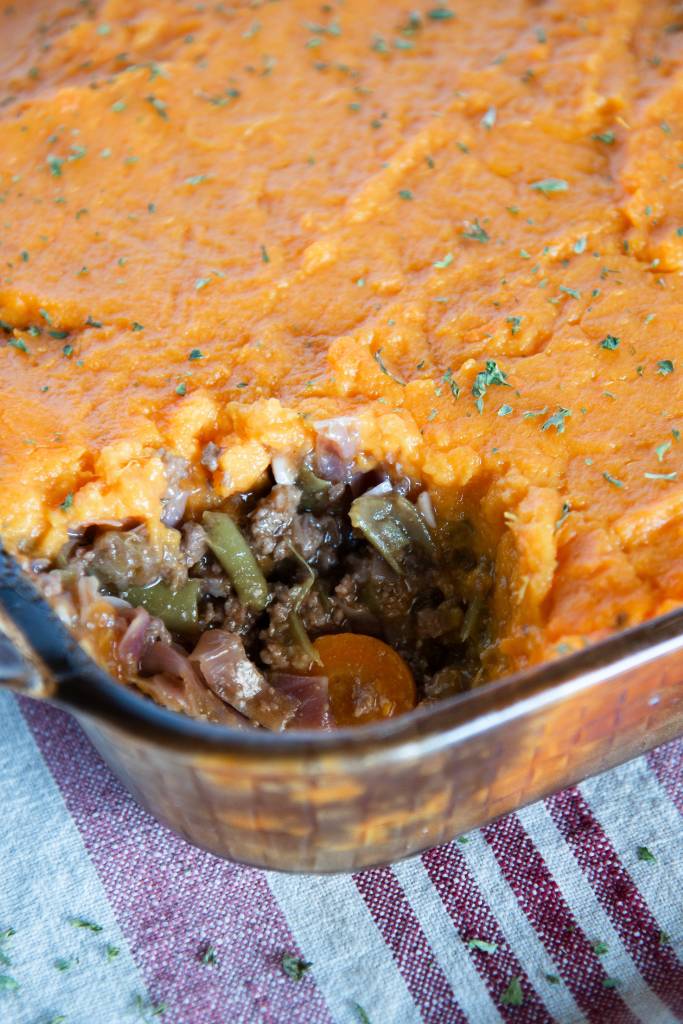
(372, 598)
(177, 609)
(314, 490)
(472, 615)
(301, 590)
(300, 637)
(391, 523)
(237, 558)
(412, 521)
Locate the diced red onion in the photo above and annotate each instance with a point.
(330, 466)
(115, 524)
(403, 485)
(426, 509)
(361, 483)
(175, 498)
(175, 684)
(235, 679)
(284, 470)
(336, 445)
(88, 592)
(51, 584)
(168, 658)
(124, 607)
(133, 642)
(313, 696)
(341, 432)
(174, 506)
(381, 488)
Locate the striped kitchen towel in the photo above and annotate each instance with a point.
(569, 911)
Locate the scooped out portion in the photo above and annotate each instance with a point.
(328, 597)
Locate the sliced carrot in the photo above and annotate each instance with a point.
(368, 680)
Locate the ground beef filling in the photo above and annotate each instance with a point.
(253, 586)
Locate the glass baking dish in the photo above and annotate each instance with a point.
(349, 799)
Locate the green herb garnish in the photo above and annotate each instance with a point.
(610, 342)
(209, 956)
(145, 1008)
(566, 509)
(8, 933)
(452, 383)
(294, 967)
(613, 480)
(159, 105)
(665, 367)
(491, 375)
(513, 995)
(644, 854)
(557, 420)
(549, 185)
(55, 164)
(489, 118)
(80, 922)
(377, 356)
(475, 232)
(483, 945)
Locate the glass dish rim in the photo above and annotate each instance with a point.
(436, 725)
(70, 678)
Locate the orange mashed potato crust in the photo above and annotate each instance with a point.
(461, 225)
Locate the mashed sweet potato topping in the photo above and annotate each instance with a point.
(456, 226)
